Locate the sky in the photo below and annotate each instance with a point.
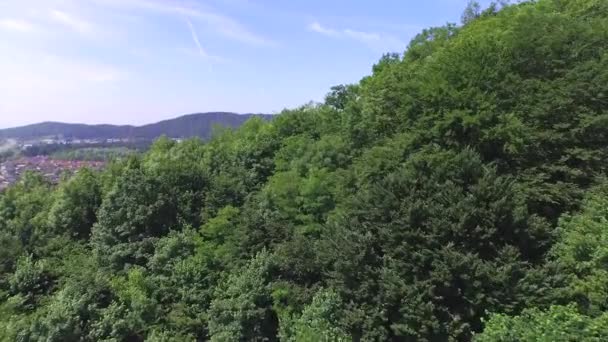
(141, 61)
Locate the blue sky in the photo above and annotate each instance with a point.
(140, 61)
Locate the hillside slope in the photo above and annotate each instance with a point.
(193, 125)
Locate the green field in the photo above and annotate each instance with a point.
(94, 153)
(8, 148)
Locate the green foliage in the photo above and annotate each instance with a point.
(444, 238)
(341, 96)
(471, 12)
(74, 209)
(133, 311)
(318, 321)
(582, 250)
(242, 307)
(131, 217)
(10, 250)
(29, 281)
(558, 323)
(184, 272)
(23, 209)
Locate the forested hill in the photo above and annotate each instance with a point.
(457, 193)
(187, 126)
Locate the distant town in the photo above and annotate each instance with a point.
(54, 148)
(38, 156)
(57, 141)
(24, 145)
(12, 170)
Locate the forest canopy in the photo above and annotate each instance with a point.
(457, 193)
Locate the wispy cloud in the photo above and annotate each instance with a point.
(18, 25)
(222, 24)
(71, 21)
(233, 29)
(373, 40)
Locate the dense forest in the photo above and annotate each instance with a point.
(457, 193)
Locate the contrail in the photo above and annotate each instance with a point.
(201, 51)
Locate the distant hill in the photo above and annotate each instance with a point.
(187, 126)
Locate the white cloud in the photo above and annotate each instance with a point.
(316, 27)
(18, 25)
(373, 40)
(72, 22)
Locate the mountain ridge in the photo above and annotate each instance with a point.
(184, 126)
